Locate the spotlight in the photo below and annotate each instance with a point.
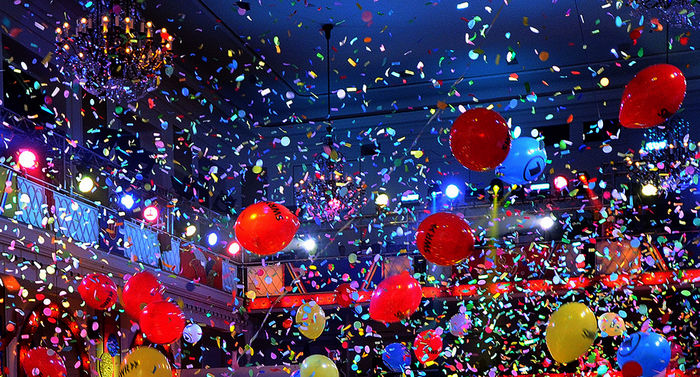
(434, 191)
(496, 186)
(212, 238)
(560, 182)
(539, 186)
(583, 177)
(150, 213)
(452, 191)
(86, 184)
(382, 200)
(649, 190)
(309, 244)
(27, 159)
(410, 197)
(233, 248)
(127, 201)
(190, 230)
(546, 222)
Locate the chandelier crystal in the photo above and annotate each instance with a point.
(113, 52)
(325, 192)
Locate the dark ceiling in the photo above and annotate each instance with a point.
(270, 61)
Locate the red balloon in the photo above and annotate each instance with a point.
(396, 298)
(344, 295)
(44, 362)
(265, 228)
(140, 290)
(98, 291)
(652, 96)
(444, 239)
(162, 322)
(427, 346)
(480, 139)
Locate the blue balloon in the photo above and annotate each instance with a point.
(525, 162)
(396, 357)
(296, 373)
(647, 353)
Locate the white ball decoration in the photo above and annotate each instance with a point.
(192, 333)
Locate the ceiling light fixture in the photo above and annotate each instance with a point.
(325, 192)
(113, 52)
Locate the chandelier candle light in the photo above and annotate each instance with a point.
(113, 52)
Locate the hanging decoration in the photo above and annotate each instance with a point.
(113, 52)
(325, 192)
(668, 159)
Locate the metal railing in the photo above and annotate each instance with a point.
(44, 206)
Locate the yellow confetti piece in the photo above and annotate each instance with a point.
(352, 62)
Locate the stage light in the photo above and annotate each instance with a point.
(560, 182)
(86, 184)
(150, 213)
(583, 177)
(27, 159)
(546, 222)
(309, 244)
(496, 187)
(212, 238)
(655, 145)
(190, 230)
(382, 200)
(539, 186)
(233, 248)
(649, 190)
(452, 191)
(434, 191)
(410, 198)
(127, 201)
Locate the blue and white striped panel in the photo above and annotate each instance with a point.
(76, 220)
(229, 276)
(32, 203)
(171, 258)
(141, 244)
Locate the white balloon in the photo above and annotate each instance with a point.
(192, 333)
(460, 324)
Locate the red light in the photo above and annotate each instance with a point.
(150, 213)
(233, 248)
(560, 182)
(27, 159)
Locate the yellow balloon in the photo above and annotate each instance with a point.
(311, 320)
(145, 362)
(570, 332)
(318, 366)
(611, 324)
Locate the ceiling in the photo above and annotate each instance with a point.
(268, 64)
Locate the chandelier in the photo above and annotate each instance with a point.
(679, 13)
(113, 52)
(325, 192)
(668, 159)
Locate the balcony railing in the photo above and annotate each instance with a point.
(40, 205)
